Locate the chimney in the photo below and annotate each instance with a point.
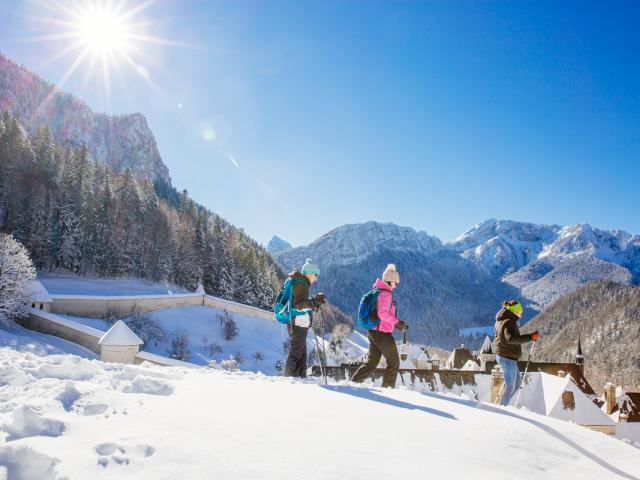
(496, 383)
(562, 373)
(568, 400)
(610, 397)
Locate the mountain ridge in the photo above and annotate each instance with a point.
(122, 141)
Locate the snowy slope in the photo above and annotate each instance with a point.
(67, 417)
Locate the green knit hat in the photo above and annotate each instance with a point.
(309, 268)
(515, 307)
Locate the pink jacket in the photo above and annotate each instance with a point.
(386, 308)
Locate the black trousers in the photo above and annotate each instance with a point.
(296, 365)
(380, 344)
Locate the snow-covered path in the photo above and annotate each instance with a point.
(67, 417)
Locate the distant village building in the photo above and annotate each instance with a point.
(458, 358)
(562, 398)
(621, 407)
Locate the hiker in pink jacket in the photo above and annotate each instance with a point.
(381, 341)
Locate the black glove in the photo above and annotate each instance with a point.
(318, 300)
(403, 327)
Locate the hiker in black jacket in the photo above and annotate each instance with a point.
(296, 364)
(507, 345)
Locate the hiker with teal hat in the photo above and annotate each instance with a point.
(507, 346)
(303, 307)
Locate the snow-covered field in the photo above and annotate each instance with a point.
(75, 285)
(63, 416)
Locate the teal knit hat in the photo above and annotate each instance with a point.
(310, 268)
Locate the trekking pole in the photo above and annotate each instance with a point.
(526, 369)
(318, 352)
(324, 351)
(403, 355)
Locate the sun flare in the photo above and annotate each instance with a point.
(104, 39)
(103, 31)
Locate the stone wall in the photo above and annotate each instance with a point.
(238, 308)
(121, 307)
(51, 324)
(160, 360)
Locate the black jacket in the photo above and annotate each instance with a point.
(507, 337)
(301, 300)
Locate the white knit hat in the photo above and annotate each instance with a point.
(390, 274)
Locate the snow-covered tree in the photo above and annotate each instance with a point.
(214, 349)
(257, 357)
(16, 271)
(180, 347)
(147, 328)
(279, 366)
(238, 357)
(228, 326)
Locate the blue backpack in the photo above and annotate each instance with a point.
(283, 308)
(368, 310)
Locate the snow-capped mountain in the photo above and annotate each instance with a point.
(120, 141)
(501, 247)
(463, 283)
(546, 262)
(277, 245)
(353, 243)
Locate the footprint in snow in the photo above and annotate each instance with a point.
(26, 463)
(93, 409)
(68, 396)
(26, 422)
(148, 385)
(115, 454)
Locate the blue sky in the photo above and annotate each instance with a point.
(435, 115)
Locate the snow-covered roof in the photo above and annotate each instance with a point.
(40, 294)
(543, 395)
(458, 357)
(120, 334)
(424, 356)
(487, 346)
(471, 366)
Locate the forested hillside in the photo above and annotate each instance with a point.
(606, 317)
(75, 214)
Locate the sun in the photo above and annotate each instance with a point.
(102, 31)
(105, 39)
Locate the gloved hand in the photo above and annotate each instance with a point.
(318, 300)
(535, 336)
(402, 326)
